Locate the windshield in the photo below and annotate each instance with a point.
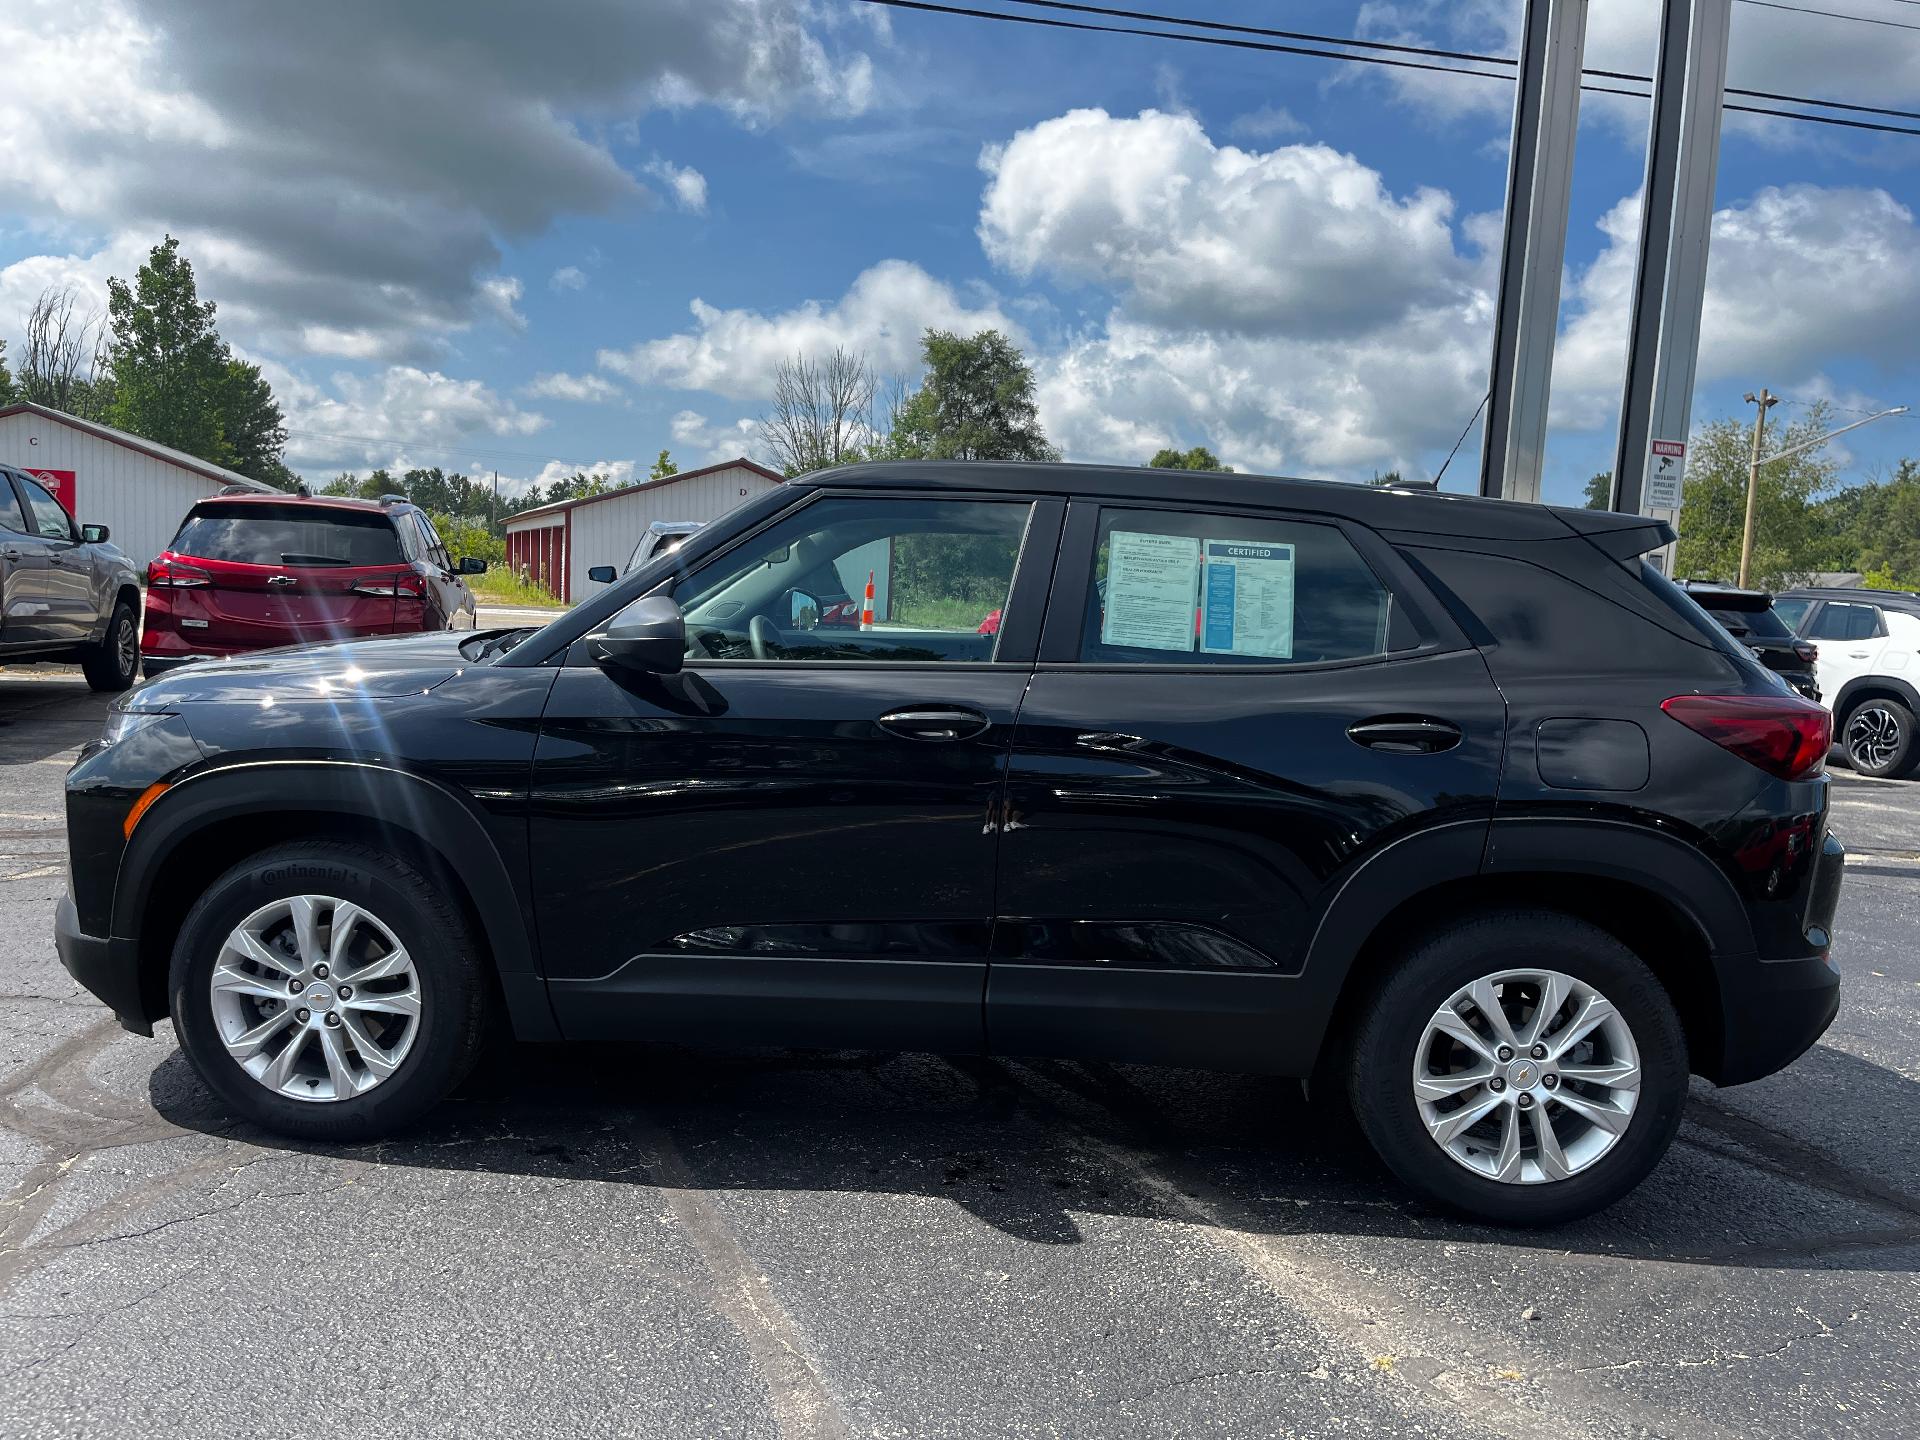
(288, 535)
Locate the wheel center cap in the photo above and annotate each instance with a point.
(318, 997)
(1522, 1074)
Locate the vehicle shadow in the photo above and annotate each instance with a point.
(46, 715)
(1026, 1146)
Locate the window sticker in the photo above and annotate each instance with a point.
(1246, 599)
(1151, 580)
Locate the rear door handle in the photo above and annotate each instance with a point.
(937, 723)
(1405, 734)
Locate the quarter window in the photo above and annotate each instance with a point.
(1174, 587)
(939, 572)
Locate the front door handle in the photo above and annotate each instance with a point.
(1405, 734)
(938, 723)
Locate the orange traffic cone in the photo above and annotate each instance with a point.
(866, 606)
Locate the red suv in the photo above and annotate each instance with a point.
(252, 572)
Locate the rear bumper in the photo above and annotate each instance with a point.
(1773, 1010)
(105, 967)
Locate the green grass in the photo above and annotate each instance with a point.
(939, 613)
(503, 587)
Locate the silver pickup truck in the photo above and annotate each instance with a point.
(66, 595)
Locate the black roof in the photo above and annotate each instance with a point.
(1906, 602)
(1416, 511)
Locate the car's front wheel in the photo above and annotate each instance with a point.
(1521, 1067)
(1878, 737)
(328, 990)
(115, 661)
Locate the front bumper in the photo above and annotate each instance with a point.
(1772, 1011)
(105, 967)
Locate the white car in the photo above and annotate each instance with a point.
(1868, 670)
(662, 537)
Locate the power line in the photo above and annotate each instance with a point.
(1321, 54)
(1432, 52)
(1832, 14)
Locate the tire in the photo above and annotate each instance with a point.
(1388, 1046)
(1878, 736)
(435, 1047)
(113, 664)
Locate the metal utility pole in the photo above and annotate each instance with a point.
(1546, 115)
(1766, 400)
(1676, 223)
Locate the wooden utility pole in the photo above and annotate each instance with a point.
(1766, 400)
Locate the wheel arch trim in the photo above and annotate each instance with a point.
(1901, 690)
(430, 813)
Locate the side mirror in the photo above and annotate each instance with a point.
(470, 566)
(602, 574)
(649, 635)
(94, 534)
(803, 611)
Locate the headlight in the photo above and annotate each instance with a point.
(122, 723)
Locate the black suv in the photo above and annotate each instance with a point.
(1453, 804)
(1749, 616)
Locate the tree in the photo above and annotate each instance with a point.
(64, 361)
(1381, 482)
(1198, 458)
(663, 467)
(251, 425)
(168, 365)
(976, 403)
(1882, 540)
(1600, 491)
(1791, 538)
(6, 380)
(822, 412)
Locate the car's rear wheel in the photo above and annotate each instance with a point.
(328, 990)
(1521, 1067)
(1878, 737)
(115, 661)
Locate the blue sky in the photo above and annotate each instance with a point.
(456, 238)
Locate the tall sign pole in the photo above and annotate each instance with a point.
(1670, 275)
(1546, 115)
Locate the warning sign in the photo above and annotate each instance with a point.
(1666, 469)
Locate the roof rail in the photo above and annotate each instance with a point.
(1428, 483)
(393, 499)
(238, 490)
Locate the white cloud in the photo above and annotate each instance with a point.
(734, 352)
(687, 185)
(398, 417)
(707, 441)
(1269, 122)
(344, 175)
(615, 472)
(1796, 275)
(581, 389)
(1302, 239)
(567, 277)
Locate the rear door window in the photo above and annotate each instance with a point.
(12, 517)
(1792, 611)
(1847, 622)
(1178, 587)
(288, 535)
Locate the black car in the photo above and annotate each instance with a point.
(1453, 804)
(1749, 616)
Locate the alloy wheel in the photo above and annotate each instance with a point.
(1526, 1076)
(1873, 737)
(126, 645)
(315, 998)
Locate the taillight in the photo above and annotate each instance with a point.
(164, 574)
(1806, 652)
(1782, 734)
(395, 587)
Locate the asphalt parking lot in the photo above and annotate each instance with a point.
(656, 1241)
